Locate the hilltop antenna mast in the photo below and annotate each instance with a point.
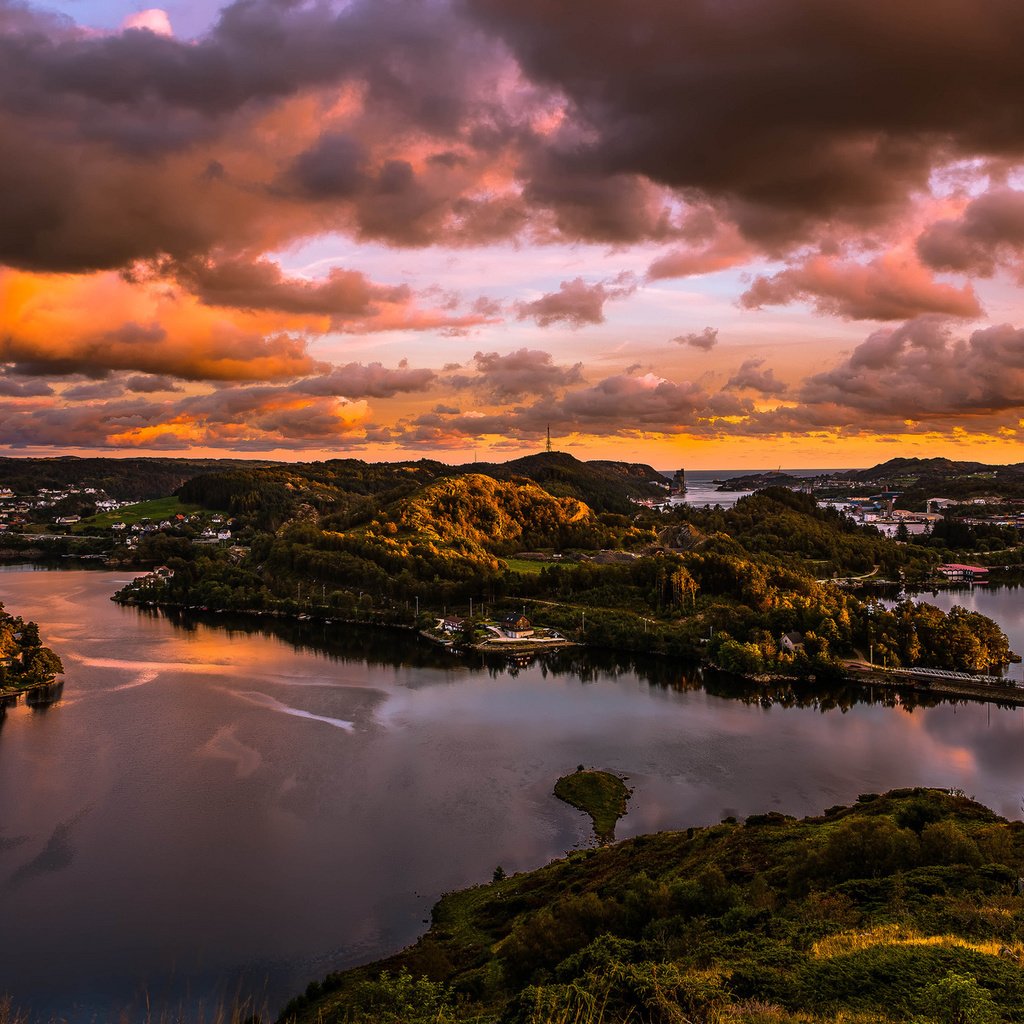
(549, 437)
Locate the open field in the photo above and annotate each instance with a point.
(157, 509)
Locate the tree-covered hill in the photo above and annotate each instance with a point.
(605, 486)
(903, 467)
(348, 489)
(904, 908)
(124, 479)
(790, 525)
(24, 661)
(477, 512)
(720, 585)
(917, 480)
(448, 535)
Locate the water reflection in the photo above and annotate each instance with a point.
(345, 643)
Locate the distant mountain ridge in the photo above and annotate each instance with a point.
(922, 467)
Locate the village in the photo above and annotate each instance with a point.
(51, 513)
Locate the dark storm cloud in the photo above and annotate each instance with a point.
(990, 231)
(370, 380)
(521, 374)
(334, 167)
(260, 284)
(778, 117)
(753, 376)
(148, 384)
(922, 371)
(624, 404)
(788, 112)
(115, 148)
(887, 288)
(10, 388)
(110, 388)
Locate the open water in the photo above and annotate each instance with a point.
(212, 809)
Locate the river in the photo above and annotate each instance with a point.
(211, 809)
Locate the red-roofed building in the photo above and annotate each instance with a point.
(962, 573)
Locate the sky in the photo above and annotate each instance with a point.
(690, 233)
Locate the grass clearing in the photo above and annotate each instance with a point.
(525, 565)
(157, 509)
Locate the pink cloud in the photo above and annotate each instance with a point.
(889, 287)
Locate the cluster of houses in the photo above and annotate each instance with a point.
(879, 511)
(955, 572)
(19, 510)
(211, 530)
(512, 627)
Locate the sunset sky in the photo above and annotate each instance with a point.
(730, 233)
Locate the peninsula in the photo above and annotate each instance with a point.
(25, 663)
(905, 906)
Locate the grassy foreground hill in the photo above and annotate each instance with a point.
(905, 907)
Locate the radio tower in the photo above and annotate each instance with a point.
(549, 437)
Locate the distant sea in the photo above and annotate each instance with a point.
(701, 490)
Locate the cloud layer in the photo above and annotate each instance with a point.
(763, 162)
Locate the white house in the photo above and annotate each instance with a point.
(517, 627)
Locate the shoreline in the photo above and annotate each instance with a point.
(35, 694)
(855, 673)
(921, 681)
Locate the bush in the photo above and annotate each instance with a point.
(944, 842)
(868, 848)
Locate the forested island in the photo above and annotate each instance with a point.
(24, 662)
(749, 589)
(904, 907)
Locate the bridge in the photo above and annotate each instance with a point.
(960, 677)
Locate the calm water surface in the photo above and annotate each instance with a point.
(209, 810)
(701, 488)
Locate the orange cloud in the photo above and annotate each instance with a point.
(236, 320)
(100, 322)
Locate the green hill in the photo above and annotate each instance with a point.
(130, 479)
(477, 512)
(905, 907)
(451, 531)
